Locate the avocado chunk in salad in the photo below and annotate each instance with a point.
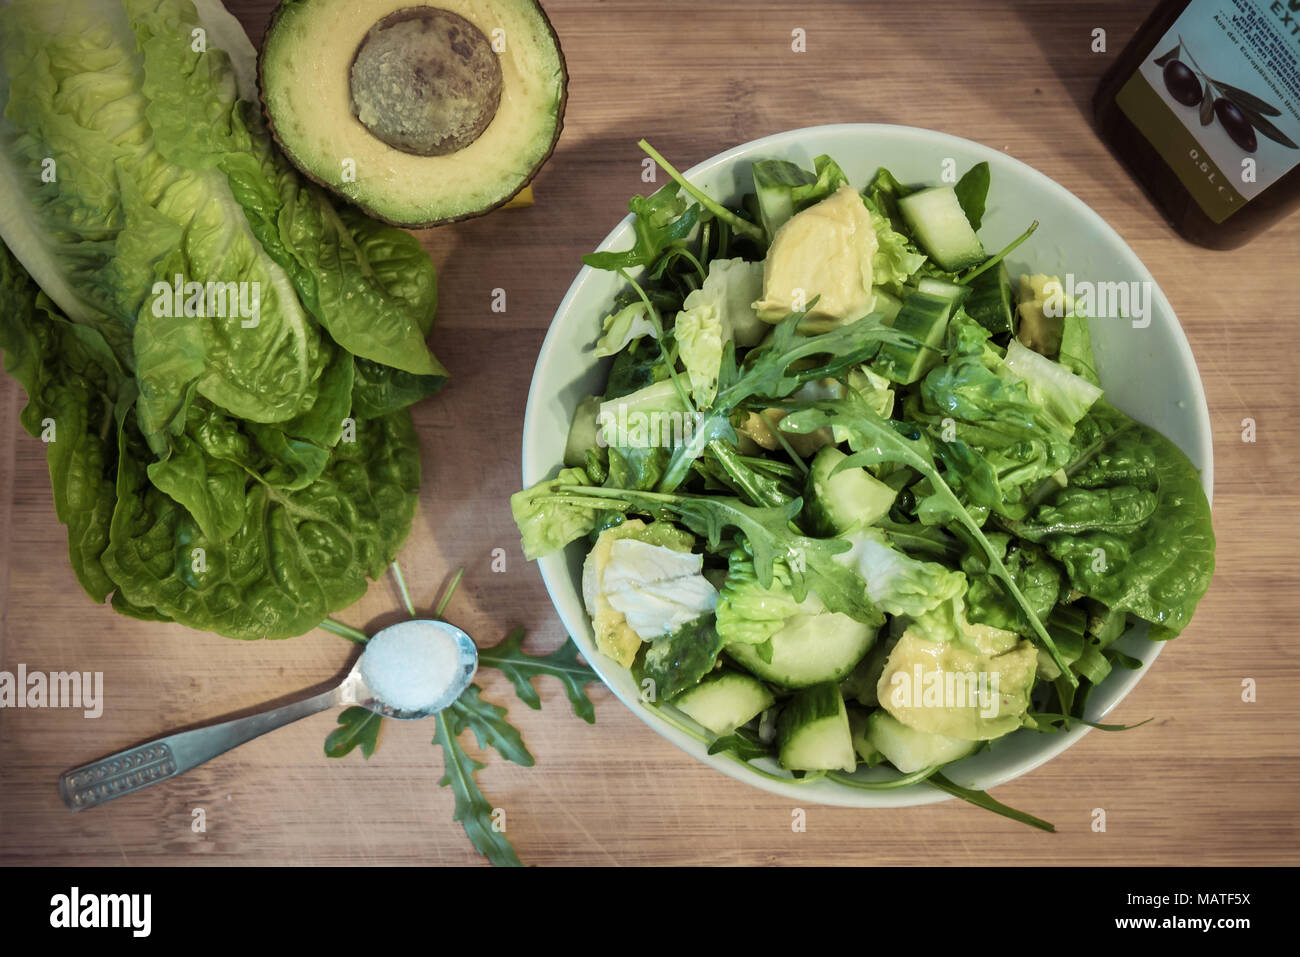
(885, 511)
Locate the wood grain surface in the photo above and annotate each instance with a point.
(1211, 780)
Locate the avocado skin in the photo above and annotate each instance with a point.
(532, 174)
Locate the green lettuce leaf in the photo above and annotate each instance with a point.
(73, 384)
(547, 522)
(297, 556)
(749, 612)
(895, 259)
(1133, 526)
(621, 328)
(896, 582)
(661, 222)
(719, 312)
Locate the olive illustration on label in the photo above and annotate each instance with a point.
(1235, 124)
(1241, 113)
(1182, 83)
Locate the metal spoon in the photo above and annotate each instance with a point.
(164, 758)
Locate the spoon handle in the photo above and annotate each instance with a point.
(164, 758)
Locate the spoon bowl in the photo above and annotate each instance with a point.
(357, 690)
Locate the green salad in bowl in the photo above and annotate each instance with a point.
(845, 499)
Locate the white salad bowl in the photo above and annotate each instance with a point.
(1145, 366)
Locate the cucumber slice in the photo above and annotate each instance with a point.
(911, 750)
(810, 649)
(842, 502)
(813, 733)
(887, 305)
(724, 701)
(948, 290)
(924, 316)
(991, 296)
(941, 228)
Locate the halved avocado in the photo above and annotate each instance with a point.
(419, 113)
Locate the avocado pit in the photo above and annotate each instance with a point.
(425, 81)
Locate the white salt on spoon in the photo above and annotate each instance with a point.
(417, 667)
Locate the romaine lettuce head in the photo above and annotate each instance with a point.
(245, 558)
(219, 337)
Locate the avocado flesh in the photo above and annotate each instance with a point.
(413, 152)
(425, 81)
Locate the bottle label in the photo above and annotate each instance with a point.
(1219, 99)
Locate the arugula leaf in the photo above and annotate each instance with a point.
(473, 810)
(768, 374)
(988, 802)
(972, 191)
(1057, 722)
(636, 367)
(1038, 577)
(997, 257)
(521, 668)
(488, 723)
(883, 193)
(742, 226)
(358, 727)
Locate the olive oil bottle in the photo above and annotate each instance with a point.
(1204, 107)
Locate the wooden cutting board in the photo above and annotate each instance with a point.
(1211, 780)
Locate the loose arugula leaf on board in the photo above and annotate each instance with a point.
(521, 668)
(358, 727)
(473, 810)
(989, 803)
(490, 727)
